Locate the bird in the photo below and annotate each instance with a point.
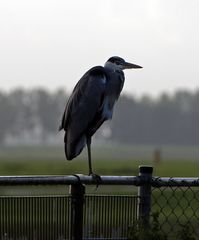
(90, 104)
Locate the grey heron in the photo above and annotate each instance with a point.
(90, 104)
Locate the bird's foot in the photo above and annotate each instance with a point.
(97, 179)
(78, 177)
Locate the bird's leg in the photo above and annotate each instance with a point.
(95, 176)
(89, 155)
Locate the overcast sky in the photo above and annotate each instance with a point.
(52, 43)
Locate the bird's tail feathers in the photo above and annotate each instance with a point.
(73, 150)
(66, 148)
(68, 157)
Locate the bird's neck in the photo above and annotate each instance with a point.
(112, 67)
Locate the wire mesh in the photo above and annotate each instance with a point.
(105, 216)
(178, 209)
(36, 218)
(109, 216)
(48, 217)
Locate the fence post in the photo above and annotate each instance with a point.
(77, 192)
(144, 194)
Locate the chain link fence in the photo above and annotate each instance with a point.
(162, 209)
(176, 200)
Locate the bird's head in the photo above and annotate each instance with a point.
(116, 63)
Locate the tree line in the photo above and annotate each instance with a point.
(35, 115)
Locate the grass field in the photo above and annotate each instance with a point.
(122, 160)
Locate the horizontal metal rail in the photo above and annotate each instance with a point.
(70, 180)
(105, 180)
(174, 182)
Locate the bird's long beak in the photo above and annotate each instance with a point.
(131, 65)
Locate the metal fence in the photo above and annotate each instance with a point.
(177, 202)
(166, 208)
(40, 217)
(108, 217)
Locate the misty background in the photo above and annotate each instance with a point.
(33, 117)
(47, 45)
(50, 43)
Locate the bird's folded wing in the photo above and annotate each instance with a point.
(85, 102)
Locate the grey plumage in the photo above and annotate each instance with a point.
(91, 103)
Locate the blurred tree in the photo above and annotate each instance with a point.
(125, 120)
(20, 112)
(194, 120)
(48, 109)
(165, 120)
(5, 116)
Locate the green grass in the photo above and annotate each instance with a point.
(106, 161)
(19, 166)
(102, 167)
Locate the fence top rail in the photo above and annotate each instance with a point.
(105, 180)
(174, 182)
(69, 180)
